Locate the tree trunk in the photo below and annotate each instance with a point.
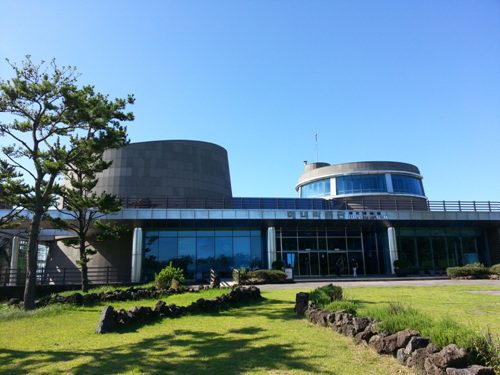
(29, 288)
(83, 263)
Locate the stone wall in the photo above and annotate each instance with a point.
(112, 320)
(408, 346)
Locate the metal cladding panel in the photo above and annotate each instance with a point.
(159, 214)
(215, 214)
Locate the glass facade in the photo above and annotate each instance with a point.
(430, 250)
(330, 251)
(197, 251)
(407, 185)
(369, 183)
(320, 188)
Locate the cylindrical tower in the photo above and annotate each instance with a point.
(173, 168)
(369, 181)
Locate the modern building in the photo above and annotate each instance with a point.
(178, 204)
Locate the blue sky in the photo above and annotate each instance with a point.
(412, 81)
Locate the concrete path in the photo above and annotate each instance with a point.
(362, 283)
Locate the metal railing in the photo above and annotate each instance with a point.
(355, 204)
(63, 276)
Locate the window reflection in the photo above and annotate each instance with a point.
(319, 188)
(370, 183)
(407, 184)
(197, 251)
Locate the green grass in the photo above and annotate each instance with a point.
(105, 289)
(477, 311)
(255, 339)
(445, 314)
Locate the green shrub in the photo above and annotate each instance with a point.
(266, 276)
(348, 306)
(486, 350)
(326, 294)
(163, 279)
(262, 276)
(474, 270)
(395, 317)
(495, 269)
(446, 331)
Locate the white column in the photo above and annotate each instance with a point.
(271, 246)
(388, 182)
(137, 253)
(393, 247)
(14, 261)
(333, 186)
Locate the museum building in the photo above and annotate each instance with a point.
(178, 203)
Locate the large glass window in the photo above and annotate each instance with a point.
(319, 188)
(407, 184)
(187, 255)
(167, 249)
(242, 252)
(196, 251)
(369, 183)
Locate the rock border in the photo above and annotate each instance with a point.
(112, 320)
(121, 295)
(408, 346)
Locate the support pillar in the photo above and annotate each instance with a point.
(393, 247)
(271, 247)
(14, 261)
(137, 254)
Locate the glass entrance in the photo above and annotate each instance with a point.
(327, 252)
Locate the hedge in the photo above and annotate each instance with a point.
(476, 271)
(262, 277)
(495, 269)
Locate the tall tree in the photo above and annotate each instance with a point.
(83, 207)
(11, 190)
(48, 117)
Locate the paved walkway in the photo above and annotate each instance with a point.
(361, 283)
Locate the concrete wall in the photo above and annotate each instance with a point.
(115, 254)
(176, 168)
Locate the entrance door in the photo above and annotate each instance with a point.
(304, 264)
(338, 263)
(323, 263)
(314, 262)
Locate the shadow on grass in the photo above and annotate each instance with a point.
(184, 352)
(268, 308)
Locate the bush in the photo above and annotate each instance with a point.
(486, 350)
(347, 306)
(474, 270)
(326, 294)
(163, 280)
(495, 269)
(395, 317)
(263, 277)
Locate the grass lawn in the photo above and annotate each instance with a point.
(478, 311)
(255, 339)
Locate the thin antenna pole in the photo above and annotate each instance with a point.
(317, 151)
